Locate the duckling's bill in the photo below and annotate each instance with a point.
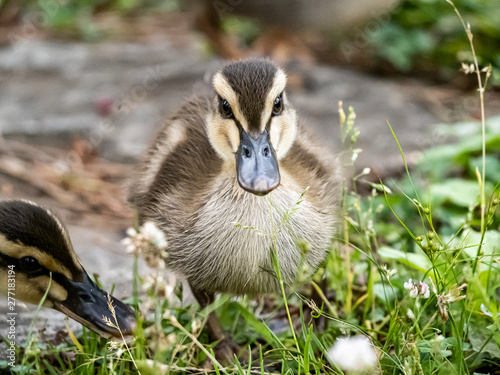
(89, 305)
(256, 163)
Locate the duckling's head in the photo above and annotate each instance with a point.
(34, 244)
(251, 123)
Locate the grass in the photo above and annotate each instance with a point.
(430, 226)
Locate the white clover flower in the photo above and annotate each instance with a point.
(444, 299)
(410, 314)
(408, 285)
(353, 354)
(169, 291)
(424, 290)
(129, 245)
(417, 290)
(160, 242)
(157, 285)
(196, 325)
(153, 234)
(171, 339)
(131, 232)
(150, 241)
(389, 272)
(150, 282)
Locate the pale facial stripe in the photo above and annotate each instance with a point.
(31, 290)
(225, 90)
(18, 251)
(279, 84)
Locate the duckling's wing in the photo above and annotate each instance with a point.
(311, 165)
(180, 161)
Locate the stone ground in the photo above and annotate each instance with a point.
(114, 94)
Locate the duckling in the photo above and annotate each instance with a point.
(206, 176)
(33, 244)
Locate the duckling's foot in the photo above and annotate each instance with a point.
(225, 350)
(224, 353)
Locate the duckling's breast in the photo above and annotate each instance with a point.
(225, 245)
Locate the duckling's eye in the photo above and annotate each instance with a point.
(278, 105)
(225, 109)
(29, 265)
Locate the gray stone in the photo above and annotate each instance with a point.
(50, 91)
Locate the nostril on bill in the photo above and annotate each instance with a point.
(85, 297)
(266, 151)
(247, 152)
(130, 325)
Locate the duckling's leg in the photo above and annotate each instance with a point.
(224, 349)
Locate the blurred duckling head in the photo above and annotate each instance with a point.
(33, 245)
(252, 124)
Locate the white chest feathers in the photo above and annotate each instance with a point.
(228, 248)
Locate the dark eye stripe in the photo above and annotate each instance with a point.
(29, 265)
(57, 277)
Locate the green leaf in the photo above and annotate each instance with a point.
(479, 333)
(260, 327)
(385, 293)
(492, 167)
(457, 191)
(418, 261)
(491, 243)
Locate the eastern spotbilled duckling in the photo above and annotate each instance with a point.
(211, 166)
(33, 244)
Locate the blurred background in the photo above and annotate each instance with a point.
(84, 84)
